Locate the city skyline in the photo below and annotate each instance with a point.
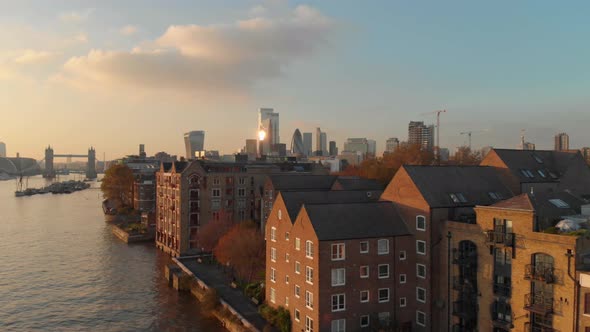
(71, 57)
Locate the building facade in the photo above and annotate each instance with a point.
(421, 134)
(307, 138)
(562, 142)
(194, 142)
(268, 121)
(2, 150)
(391, 144)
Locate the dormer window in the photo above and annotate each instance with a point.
(559, 203)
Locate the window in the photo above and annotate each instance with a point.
(538, 159)
(364, 247)
(338, 251)
(215, 181)
(339, 325)
(364, 271)
(287, 257)
(286, 301)
(297, 267)
(402, 278)
(458, 198)
(308, 249)
(421, 294)
(297, 291)
(242, 193)
(338, 302)
(297, 315)
(273, 275)
(495, 195)
(402, 302)
(383, 271)
(215, 204)
(273, 234)
(338, 277)
(383, 295)
(364, 296)
(542, 174)
(287, 279)
(242, 181)
(286, 236)
(383, 247)
(559, 203)
(273, 254)
(420, 318)
(527, 173)
(216, 192)
(309, 274)
(280, 214)
(587, 304)
(364, 320)
(384, 318)
(309, 299)
(402, 255)
(273, 295)
(421, 271)
(421, 247)
(308, 324)
(297, 243)
(421, 223)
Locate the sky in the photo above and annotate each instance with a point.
(114, 74)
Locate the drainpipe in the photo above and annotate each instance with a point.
(569, 255)
(449, 237)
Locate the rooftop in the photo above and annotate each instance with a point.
(300, 182)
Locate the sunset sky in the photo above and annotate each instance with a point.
(114, 74)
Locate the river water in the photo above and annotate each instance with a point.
(61, 269)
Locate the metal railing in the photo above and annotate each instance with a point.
(502, 289)
(538, 303)
(540, 271)
(464, 258)
(500, 237)
(529, 327)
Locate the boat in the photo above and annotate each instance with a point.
(19, 193)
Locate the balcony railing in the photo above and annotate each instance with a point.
(499, 237)
(529, 327)
(538, 303)
(465, 310)
(541, 272)
(464, 258)
(502, 289)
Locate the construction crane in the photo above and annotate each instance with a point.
(437, 147)
(468, 133)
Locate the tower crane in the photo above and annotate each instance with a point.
(437, 147)
(468, 133)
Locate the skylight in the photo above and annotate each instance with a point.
(527, 173)
(495, 195)
(559, 203)
(541, 173)
(538, 159)
(458, 197)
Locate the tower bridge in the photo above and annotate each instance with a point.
(50, 155)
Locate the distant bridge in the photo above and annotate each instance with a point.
(50, 155)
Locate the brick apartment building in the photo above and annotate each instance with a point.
(338, 261)
(524, 279)
(191, 194)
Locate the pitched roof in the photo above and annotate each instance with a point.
(299, 182)
(355, 221)
(544, 165)
(358, 183)
(178, 165)
(439, 183)
(520, 202)
(295, 199)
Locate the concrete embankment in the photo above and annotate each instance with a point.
(130, 237)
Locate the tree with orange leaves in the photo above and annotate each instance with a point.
(242, 248)
(209, 235)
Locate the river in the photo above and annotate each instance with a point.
(61, 269)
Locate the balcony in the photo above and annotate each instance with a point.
(465, 310)
(541, 272)
(499, 237)
(529, 327)
(538, 303)
(464, 258)
(502, 290)
(463, 285)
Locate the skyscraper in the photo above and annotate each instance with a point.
(251, 148)
(297, 147)
(268, 121)
(371, 148)
(391, 144)
(333, 149)
(307, 138)
(562, 142)
(194, 142)
(2, 150)
(418, 133)
(324, 143)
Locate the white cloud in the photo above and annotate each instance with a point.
(129, 30)
(222, 58)
(32, 57)
(76, 16)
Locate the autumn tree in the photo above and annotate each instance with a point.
(117, 185)
(209, 235)
(243, 248)
(466, 156)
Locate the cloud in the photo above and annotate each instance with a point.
(33, 57)
(220, 58)
(129, 30)
(76, 16)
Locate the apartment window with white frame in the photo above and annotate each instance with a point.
(364, 296)
(287, 257)
(273, 254)
(308, 324)
(383, 271)
(402, 302)
(297, 243)
(215, 181)
(338, 302)
(216, 192)
(402, 278)
(402, 255)
(242, 192)
(383, 295)
(421, 247)
(365, 321)
(309, 275)
(383, 247)
(364, 271)
(421, 223)
(339, 325)
(297, 315)
(297, 267)
(272, 295)
(273, 275)
(421, 294)
(364, 247)
(286, 236)
(309, 299)
(308, 249)
(286, 301)
(297, 291)
(421, 271)
(338, 277)
(338, 251)
(242, 181)
(273, 234)
(384, 318)
(420, 318)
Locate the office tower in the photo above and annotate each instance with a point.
(421, 134)
(391, 145)
(251, 148)
(307, 138)
(268, 121)
(2, 150)
(371, 148)
(142, 150)
(297, 147)
(562, 142)
(194, 142)
(333, 149)
(324, 144)
(366, 147)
